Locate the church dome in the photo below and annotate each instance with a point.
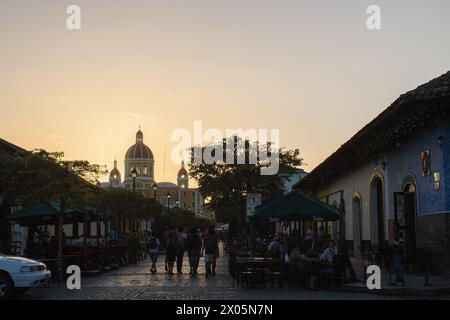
(139, 150)
(114, 174)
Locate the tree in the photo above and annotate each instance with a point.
(226, 185)
(125, 203)
(187, 219)
(43, 177)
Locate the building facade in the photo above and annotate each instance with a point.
(139, 157)
(7, 206)
(393, 178)
(140, 162)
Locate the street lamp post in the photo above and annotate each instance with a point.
(168, 201)
(155, 187)
(134, 175)
(181, 196)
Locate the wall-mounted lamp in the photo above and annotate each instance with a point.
(383, 165)
(440, 141)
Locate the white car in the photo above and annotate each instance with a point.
(18, 274)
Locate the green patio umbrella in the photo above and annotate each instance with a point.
(297, 206)
(41, 212)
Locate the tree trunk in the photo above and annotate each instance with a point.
(243, 230)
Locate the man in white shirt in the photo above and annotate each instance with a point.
(329, 253)
(327, 257)
(274, 248)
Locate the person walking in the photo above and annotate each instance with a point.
(172, 245)
(211, 249)
(153, 251)
(193, 246)
(165, 237)
(180, 252)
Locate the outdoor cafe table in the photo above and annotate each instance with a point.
(314, 264)
(255, 262)
(253, 259)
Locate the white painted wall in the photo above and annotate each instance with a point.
(359, 182)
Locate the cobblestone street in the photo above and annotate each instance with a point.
(135, 282)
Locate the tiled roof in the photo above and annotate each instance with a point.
(408, 113)
(8, 147)
(438, 87)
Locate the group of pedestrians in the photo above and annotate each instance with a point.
(176, 243)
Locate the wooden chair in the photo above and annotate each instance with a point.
(253, 277)
(277, 273)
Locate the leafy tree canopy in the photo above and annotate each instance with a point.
(44, 177)
(225, 186)
(121, 202)
(187, 219)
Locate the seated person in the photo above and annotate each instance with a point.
(327, 258)
(300, 266)
(295, 256)
(274, 248)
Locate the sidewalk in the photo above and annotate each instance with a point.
(135, 282)
(414, 284)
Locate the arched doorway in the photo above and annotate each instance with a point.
(378, 237)
(405, 217)
(357, 223)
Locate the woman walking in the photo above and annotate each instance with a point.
(153, 251)
(211, 248)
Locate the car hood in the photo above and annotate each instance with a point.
(20, 260)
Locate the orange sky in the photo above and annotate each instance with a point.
(308, 68)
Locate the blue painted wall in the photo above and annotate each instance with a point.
(406, 160)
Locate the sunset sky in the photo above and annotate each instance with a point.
(309, 68)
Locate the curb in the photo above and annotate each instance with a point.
(399, 291)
